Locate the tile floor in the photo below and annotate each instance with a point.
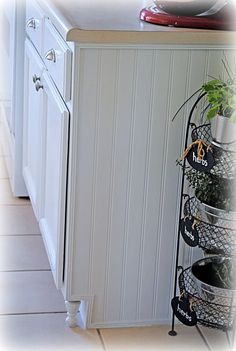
(32, 312)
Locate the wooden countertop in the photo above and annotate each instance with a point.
(117, 21)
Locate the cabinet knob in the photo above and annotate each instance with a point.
(31, 23)
(35, 78)
(50, 55)
(38, 86)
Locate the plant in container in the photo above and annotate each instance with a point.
(221, 106)
(215, 197)
(215, 279)
(221, 95)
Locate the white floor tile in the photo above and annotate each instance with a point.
(17, 220)
(28, 299)
(216, 339)
(3, 169)
(152, 339)
(46, 332)
(22, 253)
(1, 150)
(29, 292)
(6, 197)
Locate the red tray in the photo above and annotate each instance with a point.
(223, 20)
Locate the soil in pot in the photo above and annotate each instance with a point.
(215, 271)
(215, 279)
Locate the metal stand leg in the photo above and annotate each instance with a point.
(172, 332)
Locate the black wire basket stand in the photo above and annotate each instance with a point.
(215, 238)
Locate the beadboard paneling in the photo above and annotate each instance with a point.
(127, 186)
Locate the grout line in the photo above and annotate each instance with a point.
(13, 200)
(26, 270)
(204, 339)
(12, 235)
(101, 339)
(16, 204)
(31, 313)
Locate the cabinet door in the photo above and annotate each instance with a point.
(32, 126)
(55, 147)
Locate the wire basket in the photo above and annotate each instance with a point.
(211, 237)
(214, 315)
(224, 160)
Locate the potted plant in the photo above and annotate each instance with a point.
(221, 95)
(215, 197)
(221, 105)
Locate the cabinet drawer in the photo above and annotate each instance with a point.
(34, 24)
(57, 58)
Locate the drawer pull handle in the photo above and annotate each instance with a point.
(35, 78)
(38, 86)
(51, 55)
(31, 23)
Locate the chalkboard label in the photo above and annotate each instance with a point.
(189, 231)
(203, 165)
(182, 310)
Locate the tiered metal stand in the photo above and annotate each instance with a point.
(217, 238)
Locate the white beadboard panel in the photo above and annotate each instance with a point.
(103, 179)
(119, 182)
(214, 68)
(137, 184)
(127, 184)
(158, 111)
(177, 90)
(87, 134)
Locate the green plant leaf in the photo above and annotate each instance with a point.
(220, 93)
(212, 112)
(212, 84)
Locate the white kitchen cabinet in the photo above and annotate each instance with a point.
(109, 186)
(54, 176)
(46, 120)
(12, 36)
(33, 125)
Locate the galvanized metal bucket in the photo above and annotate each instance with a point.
(223, 131)
(208, 292)
(215, 216)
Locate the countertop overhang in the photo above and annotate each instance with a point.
(117, 21)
